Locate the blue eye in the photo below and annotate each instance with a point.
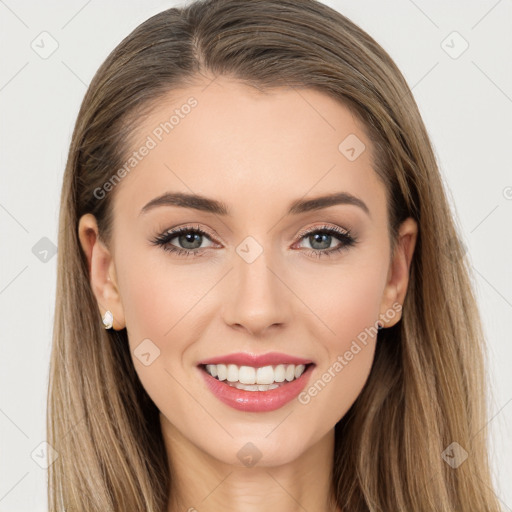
(191, 238)
(187, 236)
(324, 236)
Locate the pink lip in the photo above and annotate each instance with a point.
(255, 360)
(256, 401)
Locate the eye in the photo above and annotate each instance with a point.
(190, 239)
(320, 240)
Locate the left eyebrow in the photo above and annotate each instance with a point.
(318, 203)
(206, 204)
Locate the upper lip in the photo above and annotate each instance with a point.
(256, 360)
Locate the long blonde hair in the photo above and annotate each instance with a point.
(426, 389)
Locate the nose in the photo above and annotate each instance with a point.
(257, 297)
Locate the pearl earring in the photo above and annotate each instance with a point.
(108, 320)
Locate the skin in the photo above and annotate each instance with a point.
(257, 153)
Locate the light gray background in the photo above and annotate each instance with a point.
(466, 103)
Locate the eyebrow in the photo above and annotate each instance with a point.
(206, 204)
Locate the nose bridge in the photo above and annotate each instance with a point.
(258, 298)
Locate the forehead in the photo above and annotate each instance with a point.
(248, 147)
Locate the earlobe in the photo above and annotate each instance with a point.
(398, 274)
(101, 270)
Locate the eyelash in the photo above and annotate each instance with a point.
(344, 236)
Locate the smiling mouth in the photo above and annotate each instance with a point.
(249, 378)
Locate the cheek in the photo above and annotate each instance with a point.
(163, 303)
(158, 303)
(159, 307)
(158, 296)
(345, 300)
(348, 306)
(349, 350)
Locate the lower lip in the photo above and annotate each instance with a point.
(256, 401)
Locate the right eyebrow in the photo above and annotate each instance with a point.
(193, 201)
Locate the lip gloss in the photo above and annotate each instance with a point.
(257, 401)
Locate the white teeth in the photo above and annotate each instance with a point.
(265, 375)
(253, 387)
(279, 373)
(212, 369)
(250, 377)
(222, 371)
(247, 375)
(232, 375)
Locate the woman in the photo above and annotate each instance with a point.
(262, 300)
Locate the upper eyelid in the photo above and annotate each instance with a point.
(314, 229)
(323, 227)
(174, 232)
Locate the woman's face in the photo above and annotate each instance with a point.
(255, 275)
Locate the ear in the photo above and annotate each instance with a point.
(398, 274)
(101, 270)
